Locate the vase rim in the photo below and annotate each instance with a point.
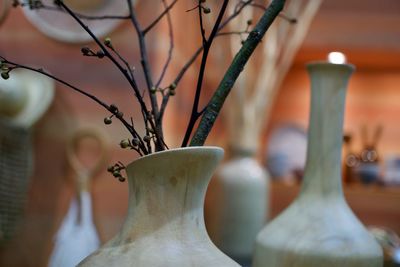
(322, 63)
(216, 149)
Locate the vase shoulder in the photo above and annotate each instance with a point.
(160, 252)
(243, 170)
(315, 232)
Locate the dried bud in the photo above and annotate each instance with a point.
(110, 169)
(153, 90)
(172, 86)
(119, 114)
(172, 92)
(107, 42)
(86, 51)
(113, 108)
(249, 22)
(107, 120)
(206, 10)
(146, 138)
(135, 142)
(100, 54)
(150, 130)
(116, 174)
(125, 143)
(121, 179)
(5, 75)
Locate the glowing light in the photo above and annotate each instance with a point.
(336, 58)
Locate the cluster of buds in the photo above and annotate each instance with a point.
(115, 170)
(126, 143)
(171, 89)
(5, 70)
(86, 51)
(115, 112)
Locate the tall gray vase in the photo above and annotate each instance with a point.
(319, 229)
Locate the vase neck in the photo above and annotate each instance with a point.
(235, 152)
(166, 192)
(323, 166)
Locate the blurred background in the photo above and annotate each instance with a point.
(366, 31)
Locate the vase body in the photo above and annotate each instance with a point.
(239, 208)
(318, 228)
(165, 223)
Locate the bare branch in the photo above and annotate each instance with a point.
(239, 7)
(125, 72)
(171, 47)
(154, 23)
(202, 30)
(147, 73)
(127, 65)
(12, 66)
(206, 48)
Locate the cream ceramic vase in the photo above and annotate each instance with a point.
(165, 224)
(240, 204)
(319, 229)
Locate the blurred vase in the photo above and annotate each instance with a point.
(239, 205)
(319, 229)
(165, 224)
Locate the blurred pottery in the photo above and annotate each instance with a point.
(239, 205)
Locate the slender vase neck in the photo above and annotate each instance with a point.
(323, 166)
(237, 152)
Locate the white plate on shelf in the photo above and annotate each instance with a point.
(62, 27)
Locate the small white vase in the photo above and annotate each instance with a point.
(165, 224)
(240, 204)
(319, 229)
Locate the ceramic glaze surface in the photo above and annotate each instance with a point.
(240, 206)
(319, 229)
(165, 224)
